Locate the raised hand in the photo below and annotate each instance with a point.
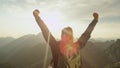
(96, 16)
(36, 12)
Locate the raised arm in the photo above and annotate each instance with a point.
(48, 37)
(86, 35)
(45, 31)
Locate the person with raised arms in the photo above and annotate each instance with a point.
(66, 52)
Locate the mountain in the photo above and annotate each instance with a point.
(25, 52)
(18, 44)
(113, 52)
(5, 40)
(30, 56)
(93, 53)
(29, 51)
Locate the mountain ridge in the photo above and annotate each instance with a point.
(28, 51)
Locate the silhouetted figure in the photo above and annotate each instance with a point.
(66, 53)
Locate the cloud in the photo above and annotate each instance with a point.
(82, 9)
(71, 9)
(13, 12)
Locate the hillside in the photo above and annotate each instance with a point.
(93, 54)
(5, 40)
(18, 44)
(113, 53)
(29, 52)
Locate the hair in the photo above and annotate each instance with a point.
(67, 31)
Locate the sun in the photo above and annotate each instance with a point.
(54, 21)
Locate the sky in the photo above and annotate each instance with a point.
(16, 18)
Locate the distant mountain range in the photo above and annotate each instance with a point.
(29, 52)
(5, 40)
(113, 53)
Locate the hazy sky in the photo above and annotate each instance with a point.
(16, 17)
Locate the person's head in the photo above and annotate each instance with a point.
(67, 34)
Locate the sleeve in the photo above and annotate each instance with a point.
(45, 31)
(47, 35)
(86, 35)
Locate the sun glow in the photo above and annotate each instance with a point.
(54, 21)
